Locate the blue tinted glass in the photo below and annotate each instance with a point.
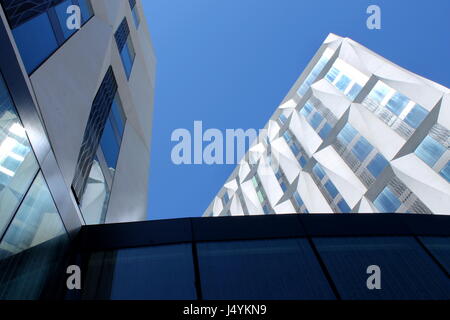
(377, 165)
(306, 110)
(397, 103)
(379, 92)
(302, 161)
(61, 13)
(347, 134)
(225, 198)
(35, 40)
(343, 83)
(440, 248)
(283, 186)
(325, 131)
(118, 115)
(354, 91)
(319, 171)
(430, 151)
(136, 17)
(109, 145)
(261, 269)
(127, 59)
(86, 10)
(386, 201)
(362, 148)
(343, 206)
(278, 174)
(445, 172)
(159, 272)
(298, 199)
(295, 149)
(312, 76)
(331, 189)
(287, 136)
(266, 209)
(332, 74)
(282, 118)
(416, 116)
(316, 120)
(407, 272)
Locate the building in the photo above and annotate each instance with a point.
(76, 108)
(356, 133)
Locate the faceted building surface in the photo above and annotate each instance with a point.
(355, 134)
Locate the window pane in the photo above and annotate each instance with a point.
(445, 172)
(298, 199)
(331, 189)
(136, 17)
(397, 103)
(302, 161)
(347, 134)
(316, 120)
(343, 83)
(306, 110)
(407, 272)
(354, 91)
(317, 169)
(118, 116)
(313, 75)
(18, 166)
(377, 165)
(287, 136)
(95, 197)
(379, 92)
(416, 116)
(261, 269)
(36, 221)
(295, 149)
(362, 149)
(387, 201)
(440, 249)
(430, 151)
(35, 40)
(332, 74)
(110, 146)
(325, 131)
(282, 118)
(61, 13)
(159, 272)
(127, 58)
(343, 206)
(86, 10)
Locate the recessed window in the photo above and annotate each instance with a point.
(362, 149)
(135, 13)
(125, 46)
(445, 172)
(387, 201)
(377, 165)
(430, 151)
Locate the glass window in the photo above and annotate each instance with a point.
(127, 54)
(430, 151)
(18, 166)
(302, 161)
(153, 273)
(445, 172)
(387, 201)
(343, 206)
(397, 103)
(255, 182)
(439, 248)
(109, 145)
(316, 120)
(266, 209)
(118, 116)
(295, 149)
(260, 196)
(377, 165)
(287, 136)
(416, 116)
(317, 169)
(332, 74)
(325, 131)
(61, 13)
(35, 40)
(136, 17)
(36, 221)
(343, 83)
(261, 269)
(298, 199)
(306, 110)
(226, 198)
(407, 272)
(379, 92)
(347, 134)
(314, 72)
(282, 118)
(94, 203)
(86, 10)
(362, 148)
(354, 91)
(331, 189)
(283, 186)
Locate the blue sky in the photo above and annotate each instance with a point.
(229, 63)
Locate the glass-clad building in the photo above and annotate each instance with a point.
(75, 130)
(355, 134)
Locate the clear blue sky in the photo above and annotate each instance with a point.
(230, 63)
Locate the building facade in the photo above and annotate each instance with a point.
(355, 134)
(76, 102)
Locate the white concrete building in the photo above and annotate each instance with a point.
(356, 133)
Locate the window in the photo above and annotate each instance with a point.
(343, 206)
(325, 131)
(387, 201)
(282, 118)
(35, 40)
(135, 13)
(416, 116)
(125, 46)
(347, 134)
(331, 189)
(316, 120)
(315, 72)
(377, 165)
(261, 269)
(225, 198)
(397, 103)
(445, 172)
(430, 151)
(306, 110)
(362, 149)
(317, 169)
(403, 264)
(38, 37)
(287, 136)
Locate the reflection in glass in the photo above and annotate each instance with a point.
(36, 221)
(387, 201)
(18, 165)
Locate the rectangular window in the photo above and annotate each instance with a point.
(387, 201)
(377, 165)
(40, 28)
(317, 169)
(343, 206)
(346, 78)
(311, 78)
(329, 186)
(445, 172)
(135, 13)
(282, 118)
(362, 148)
(347, 134)
(125, 46)
(430, 151)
